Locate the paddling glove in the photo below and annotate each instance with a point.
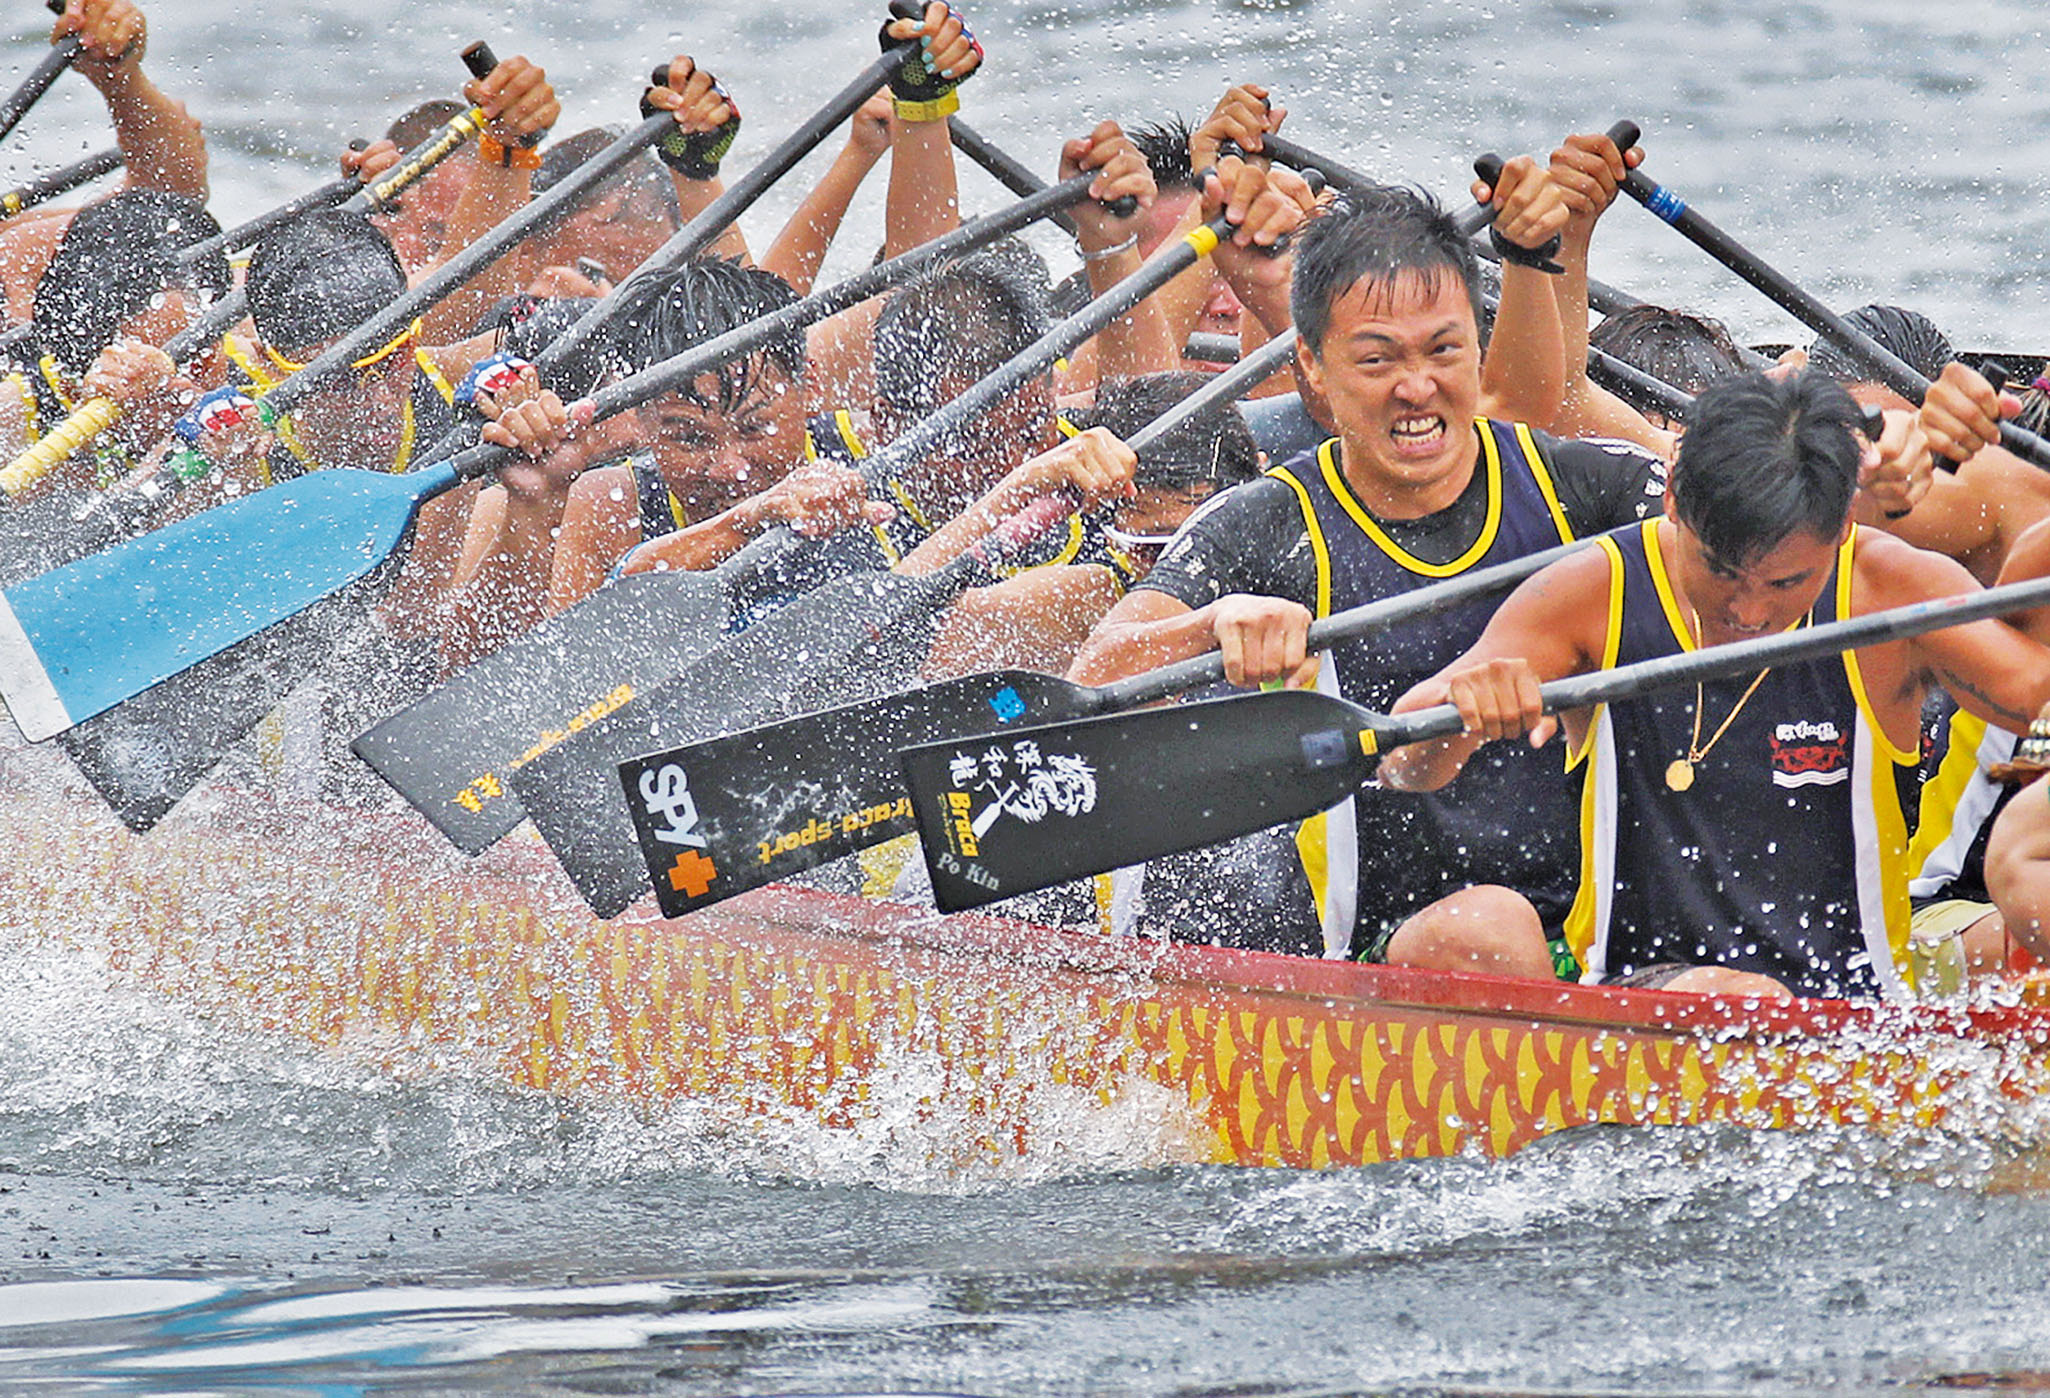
(216, 411)
(493, 374)
(919, 93)
(695, 155)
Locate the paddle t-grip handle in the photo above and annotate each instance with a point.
(1625, 134)
(479, 59)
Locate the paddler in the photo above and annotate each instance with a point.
(114, 292)
(161, 145)
(1420, 483)
(1744, 836)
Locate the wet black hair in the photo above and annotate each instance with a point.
(319, 276)
(1375, 234)
(115, 258)
(1689, 352)
(1765, 457)
(1214, 445)
(1165, 144)
(423, 121)
(1909, 335)
(700, 301)
(959, 323)
(644, 180)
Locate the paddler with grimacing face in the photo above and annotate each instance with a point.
(1420, 483)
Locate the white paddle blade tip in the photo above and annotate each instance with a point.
(32, 700)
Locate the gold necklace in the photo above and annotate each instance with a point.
(1680, 771)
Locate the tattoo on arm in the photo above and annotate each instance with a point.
(1962, 688)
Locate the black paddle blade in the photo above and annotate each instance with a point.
(143, 755)
(1009, 814)
(452, 755)
(854, 638)
(717, 818)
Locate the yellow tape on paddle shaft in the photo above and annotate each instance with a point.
(95, 417)
(58, 445)
(1203, 240)
(458, 130)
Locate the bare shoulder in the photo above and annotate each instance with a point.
(1890, 572)
(606, 491)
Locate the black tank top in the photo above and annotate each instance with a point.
(1508, 818)
(1788, 853)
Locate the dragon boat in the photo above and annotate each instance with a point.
(364, 933)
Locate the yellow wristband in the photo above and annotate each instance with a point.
(938, 109)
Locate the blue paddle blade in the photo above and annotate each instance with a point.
(82, 638)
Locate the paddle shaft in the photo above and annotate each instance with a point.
(1001, 167)
(702, 231)
(225, 313)
(352, 194)
(40, 77)
(1604, 298)
(1167, 262)
(680, 370)
(1744, 657)
(1886, 367)
(62, 180)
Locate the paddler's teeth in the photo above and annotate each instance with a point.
(1419, 427)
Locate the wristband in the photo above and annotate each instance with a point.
(920, 93)
(493, 151)
(1105, 254)
(493, 374)
(214, 411)
(1517, 255)
(937, 109)
(188, 464)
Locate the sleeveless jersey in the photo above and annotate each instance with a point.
(1788, 854)
(1958, 803)
(827, 437)
(1508, 818)
(429, 411)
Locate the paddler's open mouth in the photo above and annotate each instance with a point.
(1417, 435)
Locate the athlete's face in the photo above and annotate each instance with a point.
(1221, 308)
(711, 458)
(1741, 600)
(1144, 525)
(357, 418)
(1400, 370)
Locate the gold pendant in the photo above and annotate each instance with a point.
(1679, 774)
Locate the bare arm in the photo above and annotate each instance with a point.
(1523, 375)
(800, 249)
(1035, 621)
(702, 110)
(159, 140)
(516, 95)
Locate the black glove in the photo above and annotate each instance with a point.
(917, 86)
(695, 155)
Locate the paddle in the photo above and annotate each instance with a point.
(859, 637)
(39, 77)
(61, 180)
(1001, 167)
(96, 415)
(1885, 367)
(186, 723)
(450, 753)
(1604, 298)
(779, 562)
(1102, 793)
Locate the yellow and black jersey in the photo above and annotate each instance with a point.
(1301, 532)
(429, 412)
(1781, 850)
